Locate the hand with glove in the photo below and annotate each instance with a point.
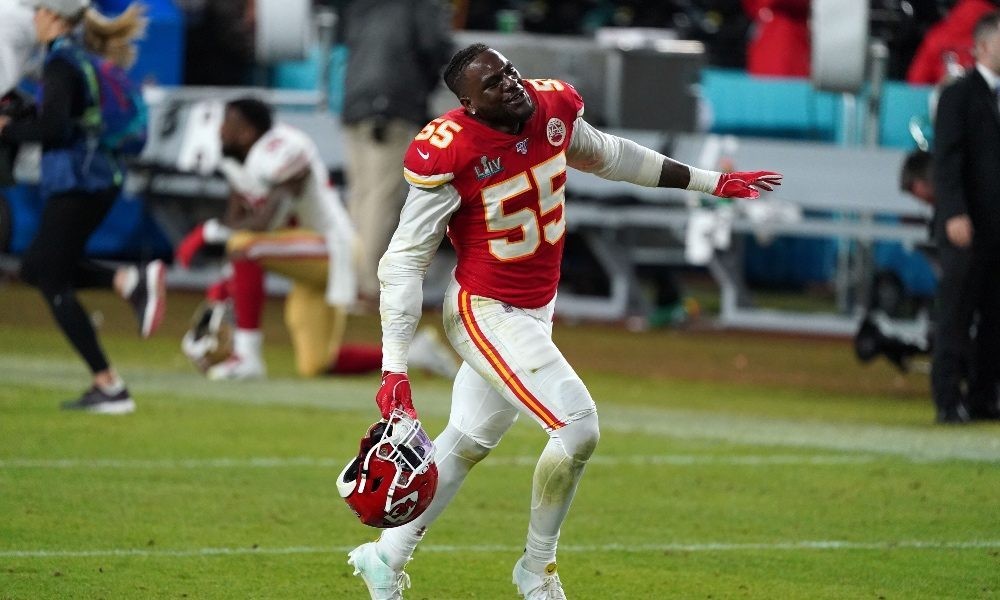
(395, 393)
(745, 184)
(209, 232)
(737, 184)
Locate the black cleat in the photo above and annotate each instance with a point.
(957, 415)
(96, 401)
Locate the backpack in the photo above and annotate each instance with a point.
(116, 116)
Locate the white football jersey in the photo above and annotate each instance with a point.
(278, 156)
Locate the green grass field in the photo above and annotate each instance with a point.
(730, 466)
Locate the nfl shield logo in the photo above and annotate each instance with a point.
(522, 146)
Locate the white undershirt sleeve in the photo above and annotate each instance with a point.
(619, 159)
(422, 225)
(611, 157)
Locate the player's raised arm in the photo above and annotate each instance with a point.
(620, 159)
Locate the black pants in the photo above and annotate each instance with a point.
(54, 264)
(966, 361)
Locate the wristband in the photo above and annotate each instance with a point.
(703, 181)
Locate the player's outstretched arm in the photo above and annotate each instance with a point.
(620, 159)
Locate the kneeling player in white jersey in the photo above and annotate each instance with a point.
(491, 175)
(283, 216)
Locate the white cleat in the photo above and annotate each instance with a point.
(236, 368)
(383, 583)
(429, 353)
(532, 586)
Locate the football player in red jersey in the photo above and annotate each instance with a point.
(491, 174)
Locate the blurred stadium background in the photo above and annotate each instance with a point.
(669, 74)
(757, 457)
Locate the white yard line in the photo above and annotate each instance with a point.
(927, 443)
(457, 549)
(679, 460)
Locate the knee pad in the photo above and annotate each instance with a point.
(579, 438)
(454, 442)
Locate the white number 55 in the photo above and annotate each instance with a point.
(530, 220)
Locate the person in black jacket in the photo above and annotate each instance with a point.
(967, 230)
(80, 182)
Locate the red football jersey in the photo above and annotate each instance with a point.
(510, 229)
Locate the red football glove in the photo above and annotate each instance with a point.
(190, 246)
(395, 393)
(742, 184)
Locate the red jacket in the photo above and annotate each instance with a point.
(951, 34)
(780, 44)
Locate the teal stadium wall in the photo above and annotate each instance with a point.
(792, 109)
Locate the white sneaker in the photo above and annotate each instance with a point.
(428, 353)
(237, 368)
(383, 583)
(532, 586)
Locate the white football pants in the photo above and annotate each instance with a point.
(511, 366)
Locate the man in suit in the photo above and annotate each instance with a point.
(967, 229)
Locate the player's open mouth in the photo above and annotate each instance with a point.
(516, 98)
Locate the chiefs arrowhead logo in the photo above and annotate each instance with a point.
(400, 510)
(555, 130)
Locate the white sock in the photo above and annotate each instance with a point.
(130, 281)
(247, 344)
(556, 478)
(395, 546)
(539, 550)
(115, 387)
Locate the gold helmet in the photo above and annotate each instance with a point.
(210, 339)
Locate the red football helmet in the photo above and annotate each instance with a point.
(393, 478)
